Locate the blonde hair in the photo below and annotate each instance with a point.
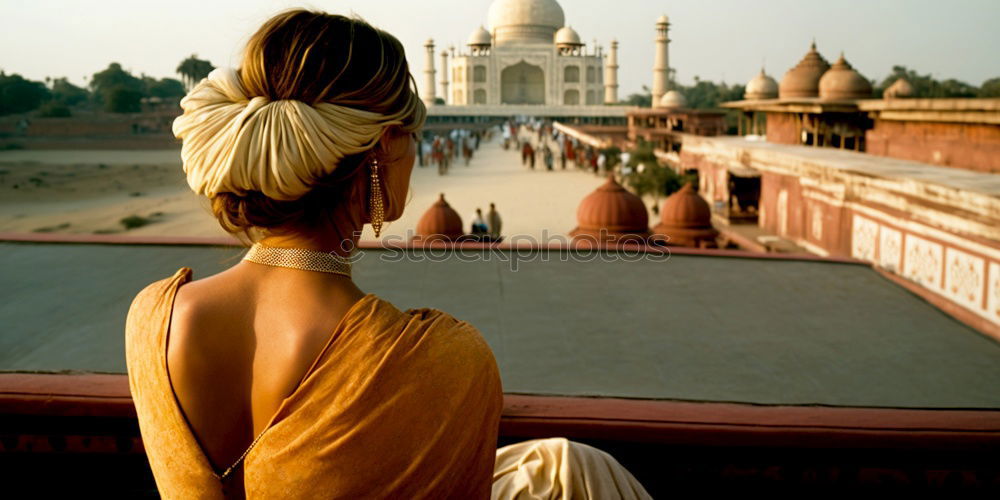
(316, 58)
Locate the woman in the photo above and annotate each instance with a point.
(273, 380)
(278, 377)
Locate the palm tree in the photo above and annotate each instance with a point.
(192, 70)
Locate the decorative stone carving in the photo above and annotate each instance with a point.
(864, 233)
(890, 249)
(963, 278)
(922, 262)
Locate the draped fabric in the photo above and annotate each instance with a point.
(236, 143)
(398, 405)
(557, 468)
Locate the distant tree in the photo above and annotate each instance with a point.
(67, 94)
(705, 94)
(123, 100)
(612, 156)
(438, 100)
(648, 177)
(111, 80)
(643, 100)
(990, 88)
(19, 95)
(192, 70)
(163, 88)
(53, 109)
(926, 85)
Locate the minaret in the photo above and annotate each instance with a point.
(611, 75)
(430, 86)
(661, 62)
(444, 76)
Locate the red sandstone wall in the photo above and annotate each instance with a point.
(781, 128)
(792, 210)
(957, 273)
(962, 145)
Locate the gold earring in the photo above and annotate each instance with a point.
(376, 209)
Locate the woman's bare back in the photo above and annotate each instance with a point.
(241, 341)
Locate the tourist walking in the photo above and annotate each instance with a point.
(547, 155)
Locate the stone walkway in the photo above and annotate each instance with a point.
(534, 203)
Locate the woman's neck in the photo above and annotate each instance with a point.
(340, 241)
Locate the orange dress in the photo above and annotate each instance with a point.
(397, 405)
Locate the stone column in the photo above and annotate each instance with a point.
(611, 75)
(430, 86)
(444, 76)
(661, 61)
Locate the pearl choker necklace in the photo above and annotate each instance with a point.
(299, 258)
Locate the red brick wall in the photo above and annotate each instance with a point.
(781, 128)
(962, 145)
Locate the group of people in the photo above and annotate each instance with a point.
(536, 137)
(487, 229)
(442, 149)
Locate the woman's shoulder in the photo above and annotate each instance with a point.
(154, 297)
(444, 324)
(438, 332)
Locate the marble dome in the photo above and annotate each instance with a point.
(567, 36)
(479, 37)
(525, 21)
(761, 87)
(842, 81)
(672, 100)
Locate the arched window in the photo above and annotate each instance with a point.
(479, 96)
(571, 74)
(571, 97)
(459, 97)
(591, 74)
(479, 73)
(591, 97)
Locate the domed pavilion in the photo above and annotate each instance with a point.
(611, 215)
(803, 79)
(761, 86)
(686, 220)
(439, 223)
(842, 82)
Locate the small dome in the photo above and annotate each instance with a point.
(803, 79)
(761, 87)
(663, 19)
(611, 214)
(479, 37)
(673, 100)
(532, 21)
(429, 43)
(686, 220)
(568, 36)
(899, 88)
(842, 81)
(439, 223)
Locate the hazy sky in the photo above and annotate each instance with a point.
(713, 39)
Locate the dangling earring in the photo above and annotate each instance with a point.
(376, 210)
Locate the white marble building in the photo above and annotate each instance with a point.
(528, 57)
